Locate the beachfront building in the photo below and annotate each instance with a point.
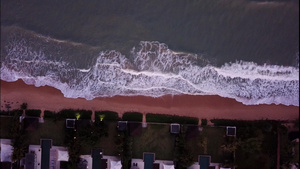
(99, 161)
(204, 162)
(96, 160)
(45, 156)
(149, 162)
(6, 151)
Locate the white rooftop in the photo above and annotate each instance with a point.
(6, 150)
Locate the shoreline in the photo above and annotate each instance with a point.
(208, 106)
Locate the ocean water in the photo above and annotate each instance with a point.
(247, 66)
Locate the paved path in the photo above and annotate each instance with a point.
(144, 117)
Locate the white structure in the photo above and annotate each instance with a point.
(57, 154)
(115, 164)
(6, 150)
(139, 163)
(37, 151)
(197, 166)
(165, 166)
(112, 161)
(62, 155)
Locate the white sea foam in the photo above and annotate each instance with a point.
(154, 71)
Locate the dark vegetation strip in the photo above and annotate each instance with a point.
(33, 112)
(163, 118)
(49, 114)
(132, 116)
(106, 115)
(11, 113)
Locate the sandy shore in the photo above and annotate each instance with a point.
(210, 107)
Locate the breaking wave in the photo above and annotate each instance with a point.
(152, 69)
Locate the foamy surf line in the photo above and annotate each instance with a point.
(154, 70)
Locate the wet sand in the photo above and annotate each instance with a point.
(209, 107)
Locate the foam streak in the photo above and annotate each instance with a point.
(155, 71)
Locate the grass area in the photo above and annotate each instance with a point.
(215, 137)
(260, 153)
(208, 142)
(105, 143)
(5, 125)
(155, 138)
(108, 143)
(50, 130)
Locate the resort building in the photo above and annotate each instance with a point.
(149, 162)
(45, 156)
(6, 151)
(99, 161)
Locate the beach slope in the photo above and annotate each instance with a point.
(209, 107)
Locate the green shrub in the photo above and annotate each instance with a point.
(11, 113)
(203, 122)
(132, 116)
(49, 114)
(16, 112)
(162, 118)
(226, 122)
(245, 123)
(107, 115)
(84, 114)
(67, 113)
(33, 112)
(2, 112)
(70, 113)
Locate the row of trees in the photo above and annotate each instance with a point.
(250, 141)
(19, 144)
(76, 139)
(124, 147)
(183, 156)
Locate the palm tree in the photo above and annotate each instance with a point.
(20, 148)
(24, 107)
(230, 147)
(18, 142)
(183, 155)
(124, 147)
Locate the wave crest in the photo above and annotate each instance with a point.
(155, 70)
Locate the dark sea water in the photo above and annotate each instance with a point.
(246, 50)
